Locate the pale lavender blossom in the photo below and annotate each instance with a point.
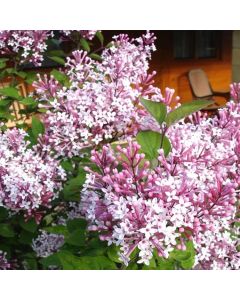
(31, 44)
(47, 243)
(29, 178)
(102, 102)
(191, 195)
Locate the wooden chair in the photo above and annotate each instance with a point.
(201, 88)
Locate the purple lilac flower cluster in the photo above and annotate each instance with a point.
(102, 102)
(29, 178)
(30, 43)
(47, 243)
(191, 195)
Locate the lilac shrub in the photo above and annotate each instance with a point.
(29, 178)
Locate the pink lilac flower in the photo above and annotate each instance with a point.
(102, 102)
(31, 44)
(29, 178)
(191, 195)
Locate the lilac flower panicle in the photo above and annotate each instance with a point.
(29, 178)
(191, 195)
(47, 243)
(102, 102)
(30, 43)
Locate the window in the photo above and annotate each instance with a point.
(196, 44)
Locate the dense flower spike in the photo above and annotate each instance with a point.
(29, 178)
(30, 43)
(102, 102)
(191, 195)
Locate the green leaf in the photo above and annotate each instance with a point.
(58, 53)
(31, 77)
(26, 237)
(76, 238)
(69, 261)
(2, 64)
(42, 110)
(60, 77)
(5, 102)
(132, 266)
(29, 225)
(71, 190)
(157, 109)
(151, 142)
(10, 92)
(4, 59)
(6, 230)
(95, 56)
(31, 263)
(109, 45)
(188, 264)
(152, 265)
(165, 264)
(67, 165)
(21, 74)
(76, 224)
(57, 229)
(84, 44)
(185, 110)
(58, 60)
(51, 260)
(3, 213)
(37, 127)
(28, 101)
(100, 36)
(104, 263)
(185, 258)
(72, 262)
(6, 116)
(180, 255)
(112, 253)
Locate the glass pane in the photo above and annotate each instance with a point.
(206, 44)
(183, 44)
